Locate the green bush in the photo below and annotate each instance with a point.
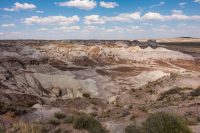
(59, 115)
(165, 123)
(87, 95)
(54, 122)
(88, 123)
(2, 131)
(69, 119)
(196, 92)
(130, 106)
(132, 129)
(143, 108)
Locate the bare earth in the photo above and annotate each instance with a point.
(44, 77)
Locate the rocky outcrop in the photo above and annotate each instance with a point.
(104, 54)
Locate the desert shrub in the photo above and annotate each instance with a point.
(133, 117)
(22, 127)
(2, 131)
(92, 101)
(87, 95)
(191, 118)
(61, 130)
(151, 91)
(54, 122)
(69, 119)
(59, 115)
(88, 123)
(93, 114)
(196, 92)
(143, 108)
(130, 106)
(58, 130)
(132, 129)
(165, 123)
(124, 113)
(192, 121)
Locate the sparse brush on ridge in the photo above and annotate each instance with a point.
(175, 90)
(17, 110)
(165, 123)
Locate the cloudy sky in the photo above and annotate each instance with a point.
(99, 19)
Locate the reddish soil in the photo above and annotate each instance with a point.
(190, 65)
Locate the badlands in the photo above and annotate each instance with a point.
(118, 83)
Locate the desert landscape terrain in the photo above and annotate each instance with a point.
(45, 84)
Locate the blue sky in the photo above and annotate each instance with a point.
(99, 19)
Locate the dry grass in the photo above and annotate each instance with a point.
(22, 127)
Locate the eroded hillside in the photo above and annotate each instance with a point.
(116, 83)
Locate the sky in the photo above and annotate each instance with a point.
(99, 19)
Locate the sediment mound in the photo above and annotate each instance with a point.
(104, 54)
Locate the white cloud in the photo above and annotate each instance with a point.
(124, 17)
(1, 33)
(197, 1)
(6, 16)
(90, 28)
(195, 17)
(16, 33)
(162, 3)
(93, 19)
(134, 28)
(11, 33)
(161, 28)
(42, 29)
(80, 4)
(20, 6)
(39, 11)
(182, 4)
(177, 11)
(62, 20)
(108, 4)
(153, 16)
(7, 25)
(177, 15)
(147, 24)
(136, 16)
(114, 29)
(69, 28)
